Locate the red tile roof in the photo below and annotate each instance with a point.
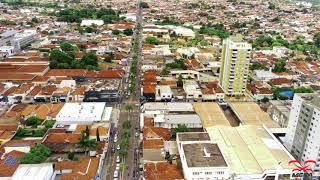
(66, 72)
(280, 81)
(110, 74)
(162, 171)
(10, 163)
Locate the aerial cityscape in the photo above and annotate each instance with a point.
(159, 90)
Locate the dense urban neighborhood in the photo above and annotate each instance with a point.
(159, 90)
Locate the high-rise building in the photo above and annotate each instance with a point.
(234, 69)
(303, 137)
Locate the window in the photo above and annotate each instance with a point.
(208, 173)
(195, 173)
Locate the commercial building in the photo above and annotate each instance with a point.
(83, 113)
(200, 157)
(235, 60)
(279, 111)
(43, 171)
(302, 138)
(251, 152)
(249, 113)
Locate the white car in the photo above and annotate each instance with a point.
(118, 147)
(118, 167)
(118, 159)
(115, 174)
(115, 139)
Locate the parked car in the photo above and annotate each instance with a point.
(118, 147)
(118, 166)
(118, 159)
(115, 174)
(137, 134)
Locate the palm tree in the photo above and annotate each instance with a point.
(129, 108)
(87, 144)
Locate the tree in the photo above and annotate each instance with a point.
(316, 39)
(115, 32)
(303, 90)
(128, 32)
(272, 6)
(143, 4)
(152, 40)
(97, 134)
(265, 100)
(87, 143)
(89, 59)
(181, 128)
(33, 121)
(179, 81)
(37, 154)
(129, 108)
(67, 47)
(279, 66)
(34, 20)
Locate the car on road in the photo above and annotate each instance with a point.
(118, 166)
(137, 134)
(115, 138)
(118, 159)
(115, 174)
(113, 150)
(118, 147)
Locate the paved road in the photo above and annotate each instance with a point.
(132, 160)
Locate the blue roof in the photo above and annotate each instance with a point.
(11, 160)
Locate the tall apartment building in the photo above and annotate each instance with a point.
(234, 69)
(303, 137)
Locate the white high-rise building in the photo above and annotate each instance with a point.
(303, 138)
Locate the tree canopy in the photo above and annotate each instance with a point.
(75, 15)
(38, 154)
(152, 40)
(144, 4)
(65, 58)
(128, 32)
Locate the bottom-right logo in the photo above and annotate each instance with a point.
(302, 170)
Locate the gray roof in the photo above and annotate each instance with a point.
(182, 119)
(8, 33)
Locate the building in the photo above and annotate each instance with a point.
(251, 152)
(235, 60)
(200, 157)
(83, 113)
(302, 138)
(279, 111)
(90, 22)
(43, 171)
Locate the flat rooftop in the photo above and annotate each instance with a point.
(203, 155)
(169, 106)
(85, 111)
(210, 114)
(41, 171)
(193, 136)
(249, 113)
(249, 149)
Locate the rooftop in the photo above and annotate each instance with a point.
(249, 113)
(168, 106)
(203, 155)
(210, 114)
(162, 171)
(249, 149)
(84, 112)
(33, 171)
(193, 136)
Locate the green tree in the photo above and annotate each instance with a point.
(86, 143)
(67, 47)
(143, 4)
(303, 90)
(265, 100)
(115, 32)
(279, 66)
(152, 40)
(33, 121)
(37, 154)
(180, 128)
(128, 32)
(89, 59)
(179, 81)
(316, 39)
(129, 108)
